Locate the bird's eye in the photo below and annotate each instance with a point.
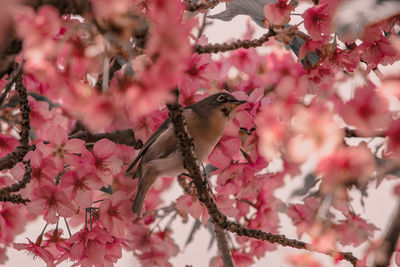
(221, 99)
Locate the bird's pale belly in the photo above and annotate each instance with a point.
(173, 164)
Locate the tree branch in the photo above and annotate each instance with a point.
(7, 88)
(5, 193)
(220, 234)
(223, 247)
(215, 48)
(384, 252)
(219, 219)
(201, 5)
(10, 160)
(122, 137)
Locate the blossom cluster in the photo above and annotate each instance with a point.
(97, 73)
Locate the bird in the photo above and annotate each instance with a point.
(160, 155)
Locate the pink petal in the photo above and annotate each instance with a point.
(218, 158)
(51, 216)
(45, 149)
(103, 148)
(74, 146)
(37, 206)
(84, 198)
(57, 135)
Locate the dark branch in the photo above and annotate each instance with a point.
(349, 133)
(220, 234)
(17, 72)
(10, 160)
(122, 137)
(215, 48)
(5, 193)
(223, 247)
(219, 219)
(384, 252)
(21, 184)
(201, 5)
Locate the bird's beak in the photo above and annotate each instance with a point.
(236, 103)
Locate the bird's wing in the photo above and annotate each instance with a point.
(149, 142)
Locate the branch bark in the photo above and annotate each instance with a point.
(219, 219)
(384, 252)
(5, 193)
(223, 247)
(201, 5)
(122, 137)
(215, 48)
(10, 160)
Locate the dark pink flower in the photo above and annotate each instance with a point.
(354, 230)
(317, 20)
(37, 251)
(12, 222)
(191, 205)
(368, 111)
(115, 212)
(103, 160)
(378, 52)
(61, 150)
(393, 133)
(345, 167)
(278, 13)
(44, 170)
(7, 144)
(245, 114)
(200, 72)
(89, 247)
(242, 259)
(80, 185)
(224, 151)
(51, 201)
(152, 249)
(54, 243)
(303, 215)
(246, 60)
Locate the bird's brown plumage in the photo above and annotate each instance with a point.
(160, 156)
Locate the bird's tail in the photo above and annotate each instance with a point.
(145, 183)
(138, 202)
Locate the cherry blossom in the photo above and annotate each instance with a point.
(37, 251)
(317, 20)
(321, 115)
(93, 246)
(105, 164)
(114, 212)
(7, 144)
(62, 150)
(79, 184)
(52, 202)
(368, 111)
(278, 13)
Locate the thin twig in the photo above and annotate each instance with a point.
(5, 192)
(215, 48)
(122, 137)
(201, 5)
(223, 247)
(384, 252)
(10, 160)
(203, 25)
(17, 72)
